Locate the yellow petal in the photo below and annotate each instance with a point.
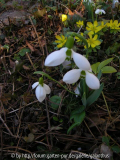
(89, 24)
(95, 37)
(57, 41)
(58, 37)
(95, 23)
(97, 42)
(60, 45)
(93, 45)
(64, 17)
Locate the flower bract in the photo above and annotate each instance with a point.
(41, 91)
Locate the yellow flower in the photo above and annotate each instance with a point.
(93, 28)
(79, 23)
(102, 24)
(78, 39)
(61, 40)
(114, 24)
(64, 17)
(93, 42)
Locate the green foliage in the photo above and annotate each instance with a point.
(78, 118)
(94, 96)
(23, 51)
(97, 67)
(106, 140)
(55, 102)
(115, 149)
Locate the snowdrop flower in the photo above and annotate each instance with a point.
(114, 2)
(58, 57)
(100, 11)
(73, 76)
(41, 90)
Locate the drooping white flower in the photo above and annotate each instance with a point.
(58, 57)
(114, 2)
(100, 11)
(73, 76)
(41, 91)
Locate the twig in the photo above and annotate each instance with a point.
(6, 126)
(89, 129)
(30, 61)
(106, 106)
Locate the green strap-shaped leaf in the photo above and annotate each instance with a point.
(80, 119)
(104, 63)
(94, 96)
(108, 69)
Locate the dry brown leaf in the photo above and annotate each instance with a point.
(30, 46)
(26, 67)
(70, 12)
(40, 13)
(78, 13)
(30, 137)
(33, 34)
(97, 121)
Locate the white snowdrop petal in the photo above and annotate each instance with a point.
(40, 93)
(56, 57)
(72, 76)
(99, 11)
(77, 89)
(81, 61)
(47, 88)
(92, 81)
(35, 85)
(66, 64)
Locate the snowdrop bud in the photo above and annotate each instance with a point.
(70, 42)
(92, 81)
(81, 61)
(56, 58)
(41, 81)
(72, 76)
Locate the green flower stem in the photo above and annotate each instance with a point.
(46, 75)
